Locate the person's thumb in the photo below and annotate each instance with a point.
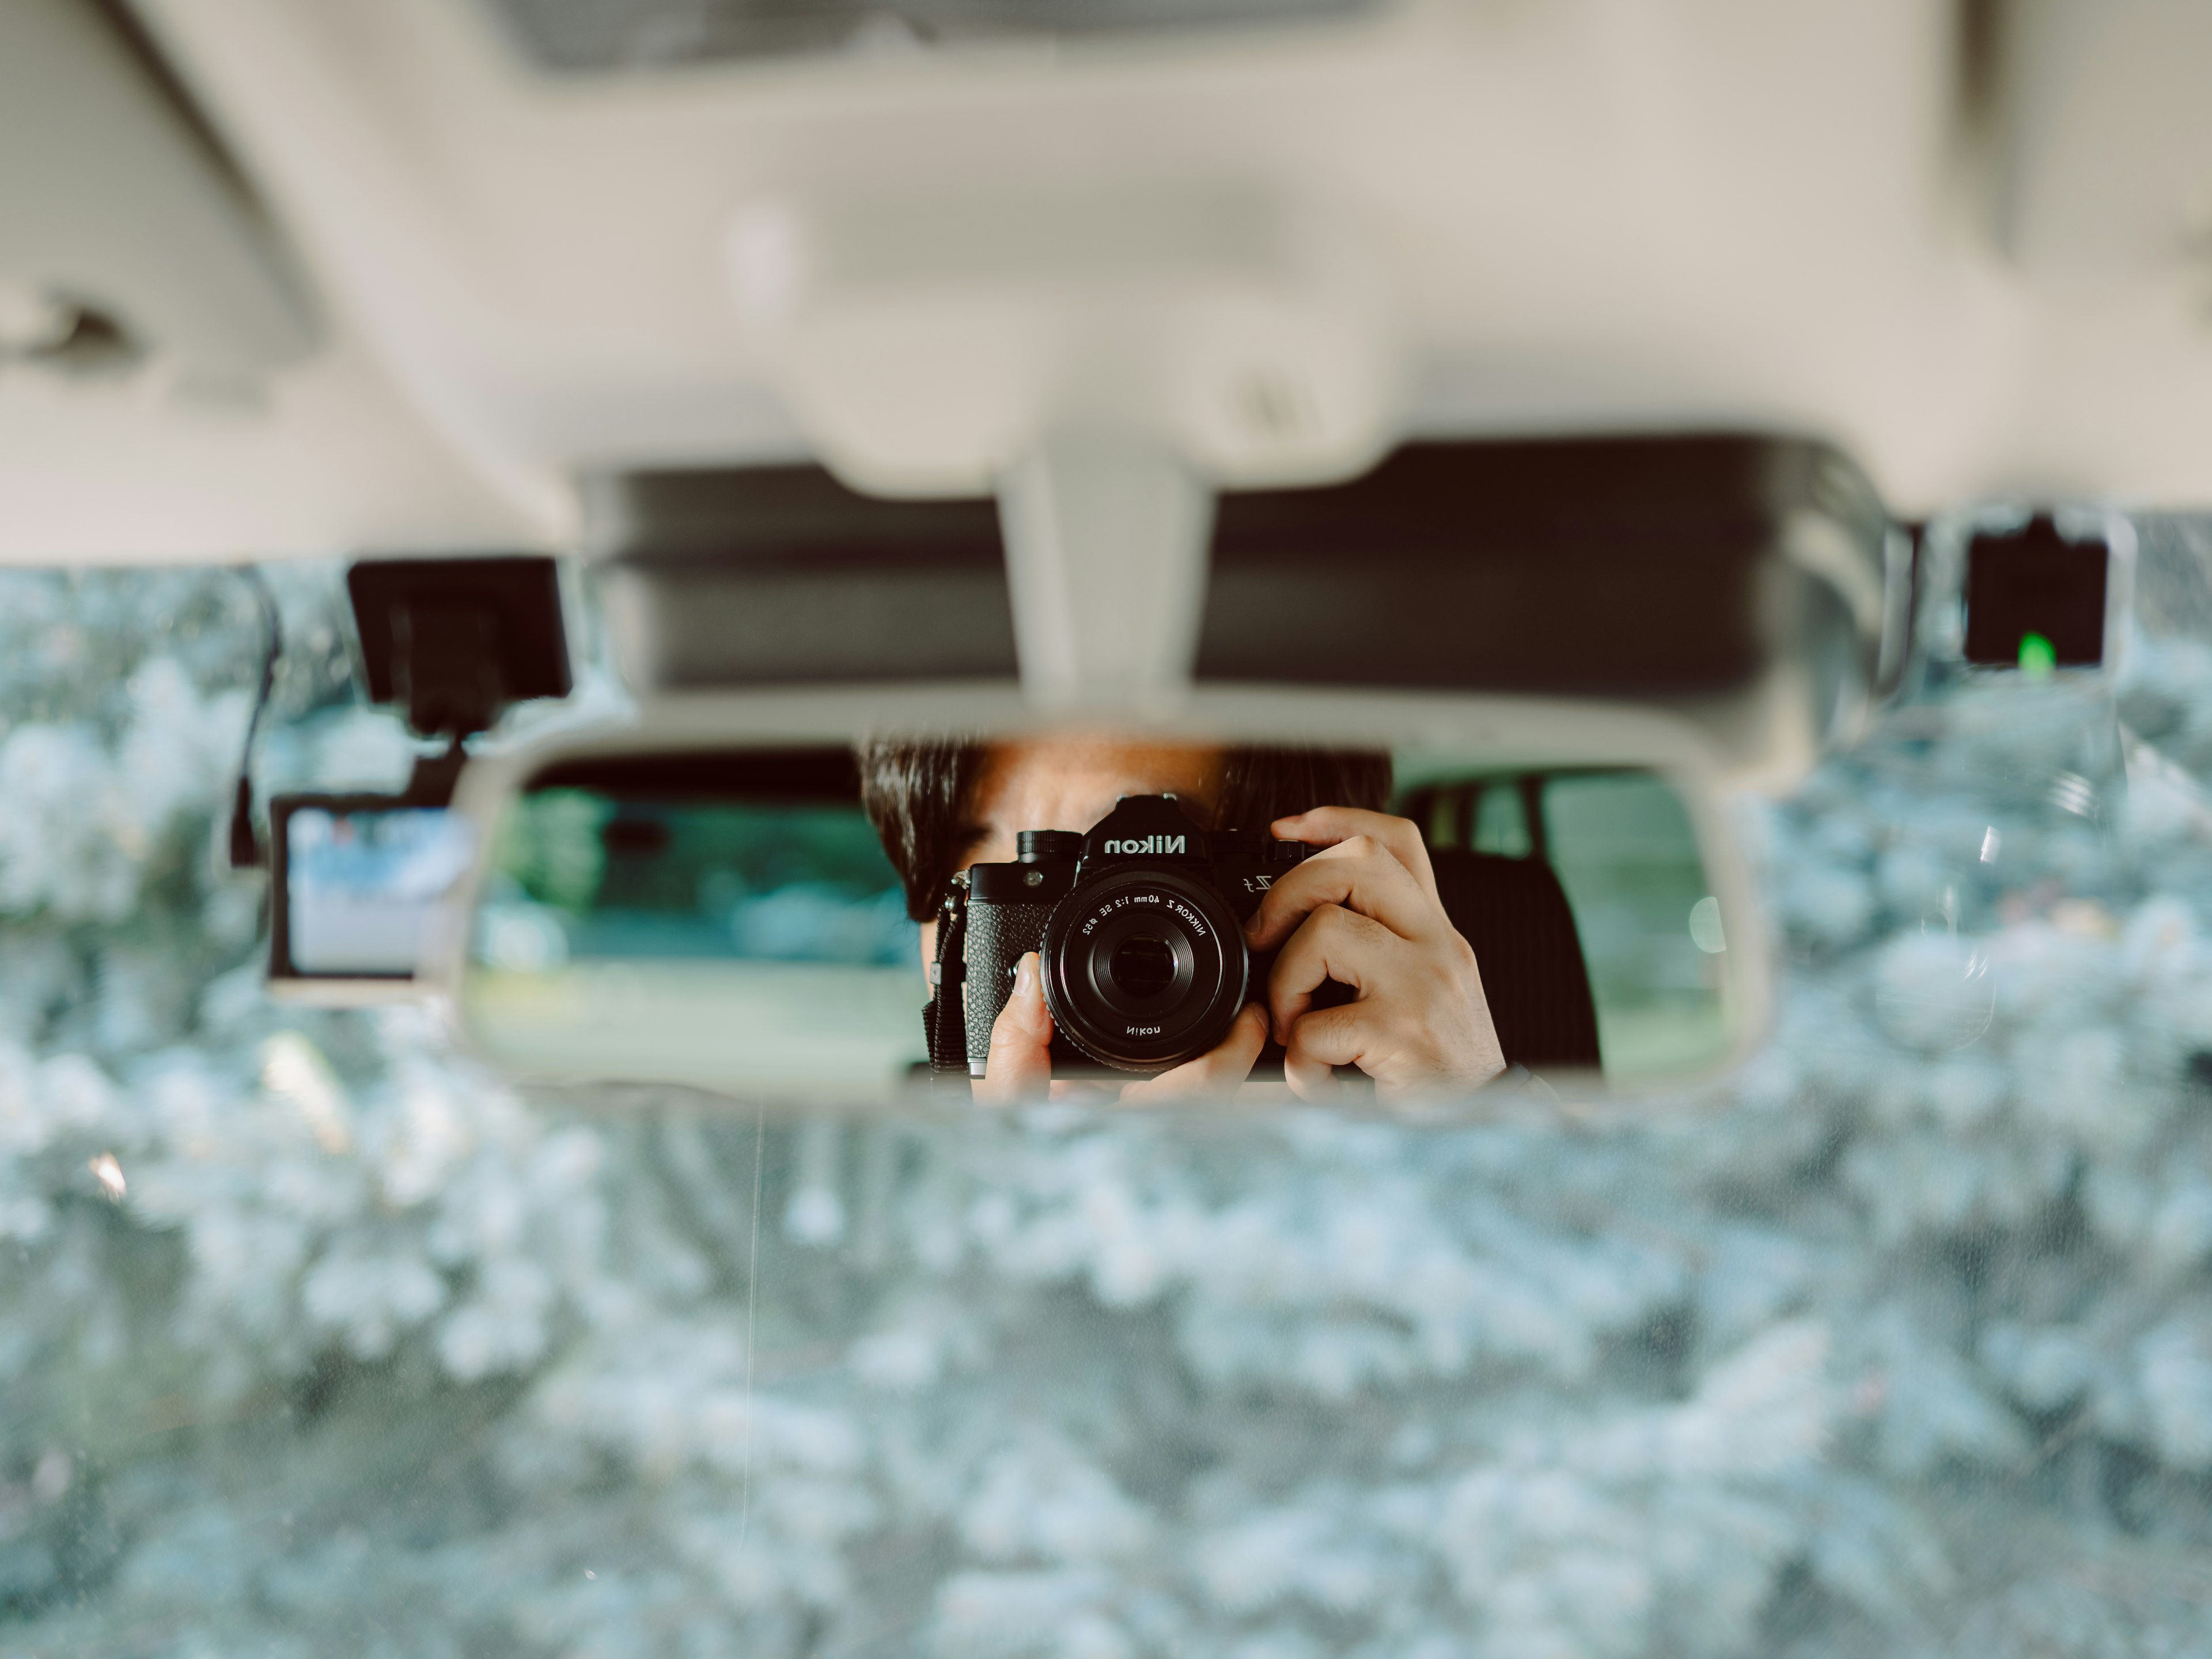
(1019, 1066)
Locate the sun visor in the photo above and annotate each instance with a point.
(718, 579)
(1664, 567)
(128, 231)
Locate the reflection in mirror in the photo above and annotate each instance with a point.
(1623, 848)
(730, 918)
(725, 918)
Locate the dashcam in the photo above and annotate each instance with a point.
(2036, 598)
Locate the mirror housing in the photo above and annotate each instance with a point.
(564, 1010)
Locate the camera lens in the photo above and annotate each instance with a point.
(1144, 968)
(1143, 965)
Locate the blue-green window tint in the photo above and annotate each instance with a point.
(1501, 823)
(698, 940)
(760, 881)
(1627, 853)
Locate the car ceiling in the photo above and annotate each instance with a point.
(1971, 244)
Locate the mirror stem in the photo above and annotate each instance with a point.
(431, 783)
(1107, 536)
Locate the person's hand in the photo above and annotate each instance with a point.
(1365, 912)
(1018, 1069)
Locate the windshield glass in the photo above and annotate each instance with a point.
(317, 1338)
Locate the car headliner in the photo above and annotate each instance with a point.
(1971, 260)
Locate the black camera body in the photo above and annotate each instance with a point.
(1138, 926)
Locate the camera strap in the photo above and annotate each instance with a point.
(944, 1016)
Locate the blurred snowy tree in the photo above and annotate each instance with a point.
(315, 1339)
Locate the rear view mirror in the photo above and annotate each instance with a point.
(727, 917)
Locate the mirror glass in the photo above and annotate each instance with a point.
(723, 919)
(1625, 850)
(730, 918)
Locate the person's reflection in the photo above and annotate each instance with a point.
(1365, 912)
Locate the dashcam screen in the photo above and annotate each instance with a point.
(364, 888)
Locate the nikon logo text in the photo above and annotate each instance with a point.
(1149, 844)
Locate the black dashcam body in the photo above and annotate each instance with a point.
(1138, 927)
(453, 642)
(2036, 597)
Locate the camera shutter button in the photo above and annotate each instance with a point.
(1037, 845)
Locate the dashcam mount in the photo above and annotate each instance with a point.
(454, 642)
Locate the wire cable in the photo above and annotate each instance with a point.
(246, 852)
(752, 1299)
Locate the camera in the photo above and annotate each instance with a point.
(1138, 928)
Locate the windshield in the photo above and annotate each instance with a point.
(316, 1338)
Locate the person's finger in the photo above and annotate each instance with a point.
(1019, 1068)
(1214, 1073)
(1321, 1040)
(1334, 944)
(1325, 826)
(1082, 1092)
(1402, 1041)
(1357, 875)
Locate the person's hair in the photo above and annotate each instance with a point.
(917, 794)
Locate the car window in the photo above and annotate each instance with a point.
(1628, 858)
(778, 928)
(1627, 855)
(317, 1338)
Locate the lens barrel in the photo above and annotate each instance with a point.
(1144, 968)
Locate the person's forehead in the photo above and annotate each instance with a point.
(1077, 769)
